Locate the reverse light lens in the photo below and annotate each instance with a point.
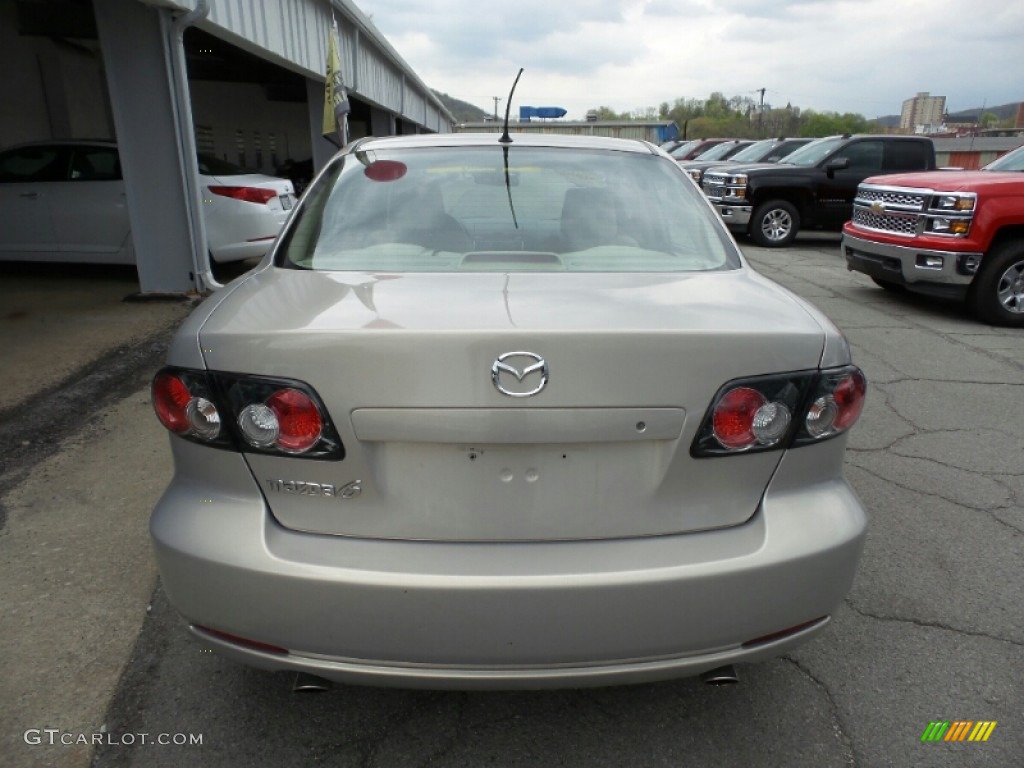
(771, 422)
(259, 425)
(821, 416)
(203, 418)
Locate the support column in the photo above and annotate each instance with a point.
(137, 58)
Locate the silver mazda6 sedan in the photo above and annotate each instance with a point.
(506, 414)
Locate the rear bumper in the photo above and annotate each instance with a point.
(925, 270)
(504, 615)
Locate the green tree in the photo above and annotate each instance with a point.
(816, 124)
(607, 113)
(739, 117)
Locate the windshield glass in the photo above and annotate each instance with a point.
(718, 151)
(755, 151)
(684, 149)
(460, 209)
(1012, 161)
(813, 153)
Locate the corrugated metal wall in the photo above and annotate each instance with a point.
(293, 33)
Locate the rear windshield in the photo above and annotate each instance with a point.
(464, 209)
(214, 166)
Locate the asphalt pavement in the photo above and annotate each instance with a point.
(98, 669)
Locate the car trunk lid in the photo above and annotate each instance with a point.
(406, 366)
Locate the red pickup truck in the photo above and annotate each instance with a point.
(958, 234)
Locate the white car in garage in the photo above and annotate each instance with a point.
(66, 201)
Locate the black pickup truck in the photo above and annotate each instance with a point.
(812, 188)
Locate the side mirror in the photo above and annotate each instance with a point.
(839, 164)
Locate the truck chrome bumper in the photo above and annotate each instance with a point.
(934, 271)
(737, 216)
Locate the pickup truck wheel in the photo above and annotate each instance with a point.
(997, 293)
(774, 224)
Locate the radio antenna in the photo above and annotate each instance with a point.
(505, 138)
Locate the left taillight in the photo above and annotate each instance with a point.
(255, 414)
(780, 411)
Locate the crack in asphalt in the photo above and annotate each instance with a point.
(837, 721)
(990, 511)
(849, 601)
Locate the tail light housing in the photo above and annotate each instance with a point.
(254, 414)
(781, 411)
(258, 195)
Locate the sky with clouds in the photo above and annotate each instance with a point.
(861, 56)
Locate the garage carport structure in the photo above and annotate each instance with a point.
(182, 74)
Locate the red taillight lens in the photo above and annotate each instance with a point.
(849, 396)
(259, 195)
(183, 408)
(170, 400)
(298, 419)
(733, 420)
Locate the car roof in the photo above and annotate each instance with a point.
(421, 140)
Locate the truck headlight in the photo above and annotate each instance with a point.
(954, 202)
(945, 226)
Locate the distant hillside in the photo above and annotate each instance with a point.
(1003, 112)
(463, 111)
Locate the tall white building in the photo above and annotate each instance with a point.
(922, 110)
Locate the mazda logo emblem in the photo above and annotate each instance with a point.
(511, 370)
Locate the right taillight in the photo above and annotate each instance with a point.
(780, 411)
(256, 414)
(834, 406)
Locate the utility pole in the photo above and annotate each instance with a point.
(760, 116)
(497, 100)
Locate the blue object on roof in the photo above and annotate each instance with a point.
(525, 113)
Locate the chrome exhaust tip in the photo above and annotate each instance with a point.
(306, 683)
(720, 676)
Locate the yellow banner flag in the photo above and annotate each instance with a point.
(336, 104)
